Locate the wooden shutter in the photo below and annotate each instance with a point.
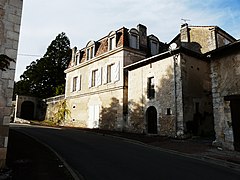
(116, 73)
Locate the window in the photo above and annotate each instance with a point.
(94, 78)
(134, 41)
(154, 48)
(74, 85)
(154, 44)
(90, 53)
(112, 43)
(134, 38)
(90, 48)
(150, 88)
(169, 111)
(110, 73)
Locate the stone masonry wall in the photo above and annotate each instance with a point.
(138, 102)
(10, 19)
(225, 75)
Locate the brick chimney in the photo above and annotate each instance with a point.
(184, 33)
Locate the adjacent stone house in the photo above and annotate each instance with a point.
(10, 19)
(225, 75)
(96, 89)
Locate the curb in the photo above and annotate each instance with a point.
(75, 175)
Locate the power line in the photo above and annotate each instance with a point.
(30, 55)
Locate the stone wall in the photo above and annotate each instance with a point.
(225, 75)
(138, 102)
(10, 19)
(197, 98)
(34, 111)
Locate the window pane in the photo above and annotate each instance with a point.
(133, 41)
(150, 88)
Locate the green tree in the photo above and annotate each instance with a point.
(45, 77)
(4, 62)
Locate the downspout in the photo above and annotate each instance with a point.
(175, 57)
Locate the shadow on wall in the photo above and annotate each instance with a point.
(109, 115)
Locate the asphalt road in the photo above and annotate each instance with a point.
(98, 157)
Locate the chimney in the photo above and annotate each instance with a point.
(74, 50)
(142, 36)
(184, 33)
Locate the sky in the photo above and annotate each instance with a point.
(82, 21)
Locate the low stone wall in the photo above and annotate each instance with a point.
(52, 104)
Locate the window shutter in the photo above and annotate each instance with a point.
(116, 74)
(104, 75)
(79, 82)
(90, 79)
(99, 77)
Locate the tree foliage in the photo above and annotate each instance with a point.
(4, 62)
(45, 77)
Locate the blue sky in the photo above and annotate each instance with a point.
(82, 21)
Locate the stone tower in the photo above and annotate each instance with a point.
(10, 19)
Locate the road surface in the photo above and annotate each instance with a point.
(98, 157)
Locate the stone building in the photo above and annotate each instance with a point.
(96, 89)
(225, 75)
(171, 93)
(10, 19)
(130, 81)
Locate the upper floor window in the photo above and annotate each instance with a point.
(90, 50)
(77, 59)
(111, 40)
(150, 88)
(134, 38)
(110, 72)
(95, 77)
(74, 84)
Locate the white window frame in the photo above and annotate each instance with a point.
(112, 40)
(110, 69)
(95, 77)
(74, 83)
(90, 50)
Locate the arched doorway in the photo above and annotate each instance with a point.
(151, 116)
(27, 110)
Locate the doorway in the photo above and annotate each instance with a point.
(151, 116)
(235, 113)
(27, 110)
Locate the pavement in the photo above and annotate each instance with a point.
(29, 159)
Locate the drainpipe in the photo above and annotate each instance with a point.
(175, 57)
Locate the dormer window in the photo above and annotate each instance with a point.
(154, 45)
(134, 38)
(77, 59)
(112, 40)
(90, 50)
